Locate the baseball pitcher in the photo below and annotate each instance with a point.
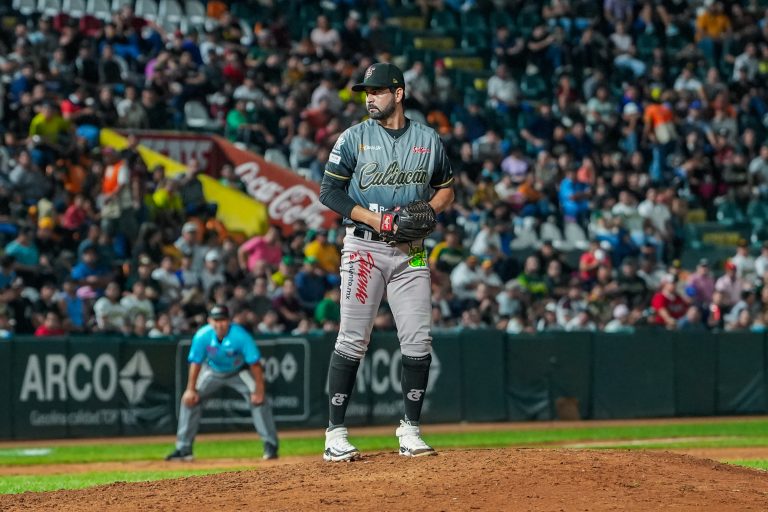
(388, 177)
(223, 354)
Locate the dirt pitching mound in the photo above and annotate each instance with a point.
(498, 479)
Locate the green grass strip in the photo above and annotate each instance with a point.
(37, 483)
(733, 433)
(751, 463)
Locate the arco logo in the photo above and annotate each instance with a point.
(55, 377)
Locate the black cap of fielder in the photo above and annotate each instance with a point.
(219, 312)
(381, 74)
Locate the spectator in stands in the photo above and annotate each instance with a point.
(311, 284)
(730, 284)
(621, 321)
(326, 253)
(287, 305)
(188, 244)
(691, 321)
(574, 198)
(531, 279)
(745, 263)
(72, 307)
(212, 273)
(446, 255)
(503, 92)
(668, 306)
(137, 304)
(111, 316)
(265, 248)
(761, 262)
(51, 325)
(465, 277)
(701, 284)
(325, 38)
(329, 309)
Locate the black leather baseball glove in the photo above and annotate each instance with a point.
(413, 221)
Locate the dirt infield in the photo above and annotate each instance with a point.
(496, 479)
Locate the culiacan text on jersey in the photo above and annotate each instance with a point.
(393, 176)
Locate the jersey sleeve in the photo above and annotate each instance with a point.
(251, 352)
(442, 176)
(343, 158)
(197, 350)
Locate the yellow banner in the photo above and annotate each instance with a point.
(236, 210)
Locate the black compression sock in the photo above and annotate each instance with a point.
(414, 384)
(341, 381)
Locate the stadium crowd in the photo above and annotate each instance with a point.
(594, 133)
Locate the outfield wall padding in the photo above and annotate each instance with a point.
(97, 386)
(542, 369)
(741, 374)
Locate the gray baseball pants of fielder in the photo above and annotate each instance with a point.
(207, 384)
(368, 269)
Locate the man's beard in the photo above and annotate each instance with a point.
(382, 114)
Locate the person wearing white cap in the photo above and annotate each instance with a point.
(620, 322)
(213, 272)
(189, 245)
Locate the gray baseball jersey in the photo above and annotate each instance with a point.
(384, 172)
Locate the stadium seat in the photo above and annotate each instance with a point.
(533, 87)
(198, 118)
(499, 18)
(119, 4)
(525, 237)
(100, 9)
(550, 231)
(170, 10)
(575, 236)
(528, 18)
(729, 213)
(276, 157)
(146, 8)
(75, 8)
(757, 210)
(646, 43)
(27, 7)
(195, 11)
(473, 21)
(443, 20)
(49, 7)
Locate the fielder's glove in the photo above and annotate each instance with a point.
(414, 221)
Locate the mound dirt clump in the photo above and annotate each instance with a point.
(495, 479)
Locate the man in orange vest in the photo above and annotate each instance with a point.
(117, 211)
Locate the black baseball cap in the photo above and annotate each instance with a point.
(381, 74)
(219, 312)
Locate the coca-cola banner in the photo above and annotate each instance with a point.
(239, 212)
(289, 196)
(184, 147)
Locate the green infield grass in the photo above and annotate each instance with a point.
(709, 434)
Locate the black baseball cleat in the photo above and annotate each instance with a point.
(181, 455)
(270, 452)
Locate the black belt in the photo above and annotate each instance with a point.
(366, 235)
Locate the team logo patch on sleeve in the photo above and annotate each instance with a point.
(334, 159)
